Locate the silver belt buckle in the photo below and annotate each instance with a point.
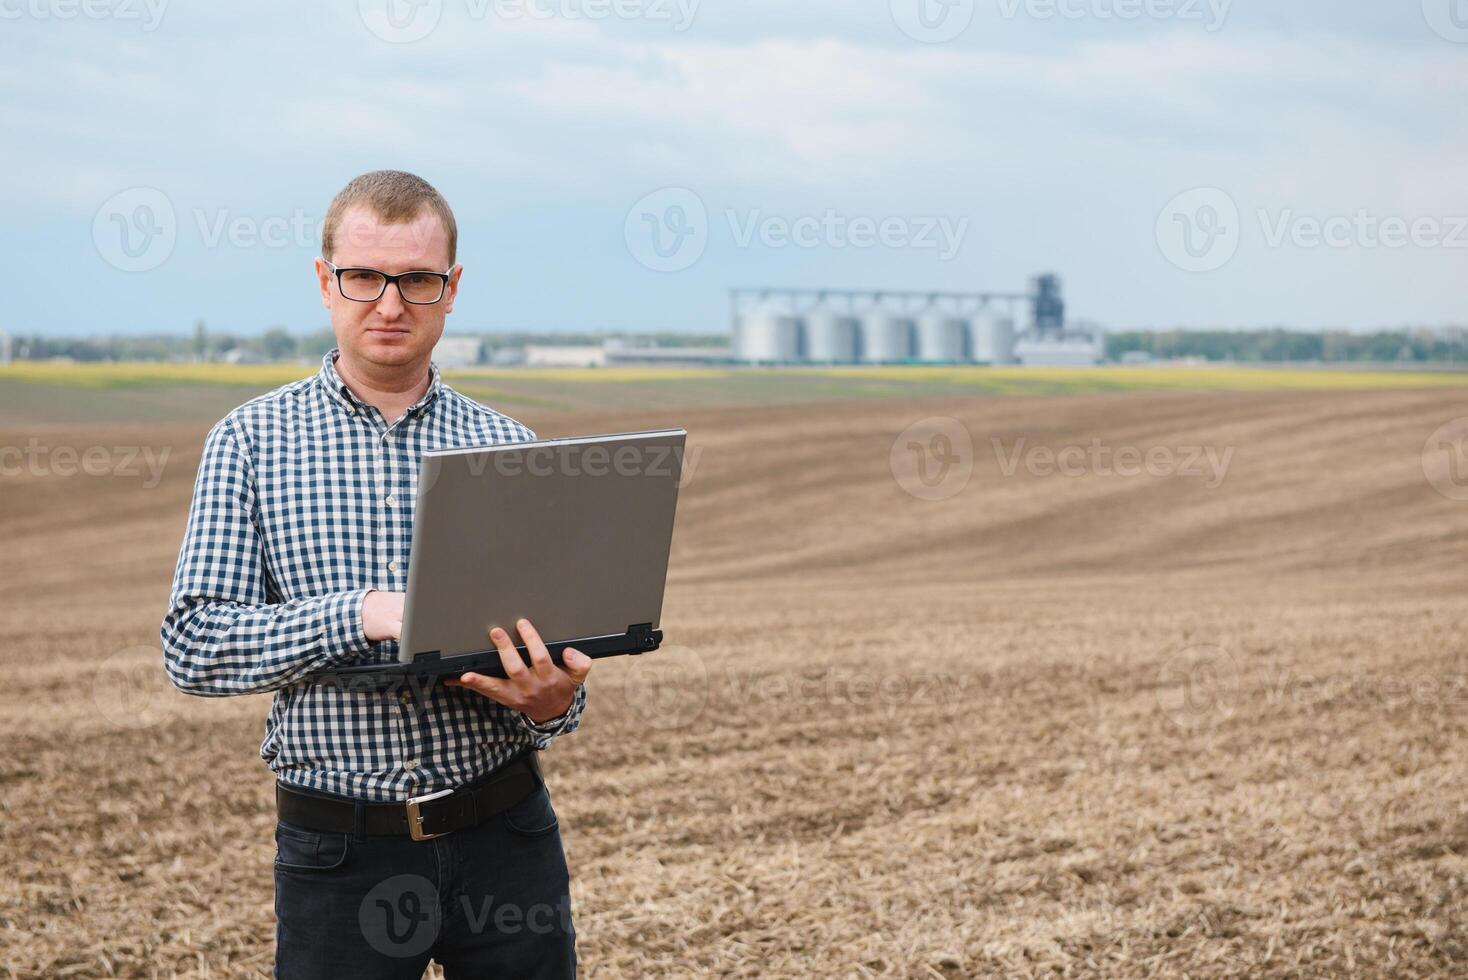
(415, 818)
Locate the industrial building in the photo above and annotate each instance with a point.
(772, 325)
(458, 352)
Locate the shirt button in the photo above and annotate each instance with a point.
(392, 566)
(411, 764)
(390, 500)
(405, 697)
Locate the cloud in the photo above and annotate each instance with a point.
(1065, 148)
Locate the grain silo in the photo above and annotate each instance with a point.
(885, 338)
(941, 338)
(830, 338)
(991, 337)
(768, 338)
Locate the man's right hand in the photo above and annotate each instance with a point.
(382, 615)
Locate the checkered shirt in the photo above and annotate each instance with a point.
(303, 504)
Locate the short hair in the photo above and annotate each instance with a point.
(396, 197)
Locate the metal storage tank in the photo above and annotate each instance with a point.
(768, 338)
(885, 337)
(830, 338)
(941, 338)
(991, 338)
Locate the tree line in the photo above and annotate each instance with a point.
(1290, 345)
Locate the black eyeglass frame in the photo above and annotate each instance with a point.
(390, 280)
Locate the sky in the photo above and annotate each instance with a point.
(620, 164)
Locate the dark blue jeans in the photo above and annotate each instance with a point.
(487, 901)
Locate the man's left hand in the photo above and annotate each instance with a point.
(542, 690)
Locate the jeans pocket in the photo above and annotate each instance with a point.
(299, 849)
(533, 816)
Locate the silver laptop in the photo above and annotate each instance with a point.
(571, 534)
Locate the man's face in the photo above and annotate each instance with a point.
(388, 332)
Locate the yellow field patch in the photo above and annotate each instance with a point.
(1001, 379)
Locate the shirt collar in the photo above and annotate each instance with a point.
(336, 388)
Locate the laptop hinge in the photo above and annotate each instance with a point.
(641, 635)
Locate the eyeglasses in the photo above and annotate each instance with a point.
(368, 285)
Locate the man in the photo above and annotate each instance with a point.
(295, 558)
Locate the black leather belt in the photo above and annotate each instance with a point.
(420, 817)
